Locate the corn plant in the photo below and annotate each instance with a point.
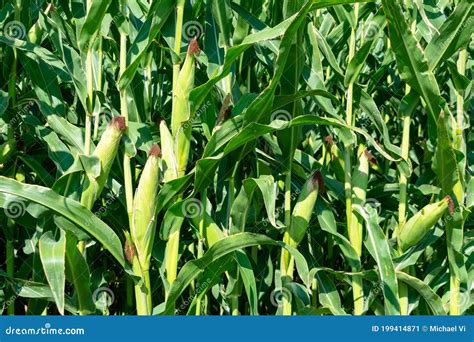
(236, 157)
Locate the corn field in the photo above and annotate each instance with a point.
(236, 157)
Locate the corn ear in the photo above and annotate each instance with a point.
(169, 166)
(184, 85)
(181, 115)
(337, 158)
(144, 207)
(303, 209)
(420, 224)
(360, 177)
(105, 151)
(108, 147)
(182, 148)
(301, 215)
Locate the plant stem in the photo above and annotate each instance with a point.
(81, 245)
(460, 102)
(10, 260)
(99, 86)
(143, 295)
(454, 295)
(90, 93)
(403, 181)
(454, 281)
(228, 78)
(353, 230)
(177, 38)
(285, 256)
(124, 111)
(172, 247)
(200, 250)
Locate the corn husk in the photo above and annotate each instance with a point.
(360, 177)
(108, 147)
(420, 224)
(303, 209)
(169, 166)
(181, 115)
(144, 208)
(105, 151)
(337, 158)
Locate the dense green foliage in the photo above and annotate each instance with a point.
(253, 157)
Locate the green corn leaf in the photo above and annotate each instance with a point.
(380, 251)
(225, 246)
(52, 254)
(248, 278)
(223, 16)
(159, 12)
(373, 29)
(71, 210)
(77, 272)
(93, 22)
(266, 185)
(328, 295)
(431, 298)
(455, 33)
(412, 63)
